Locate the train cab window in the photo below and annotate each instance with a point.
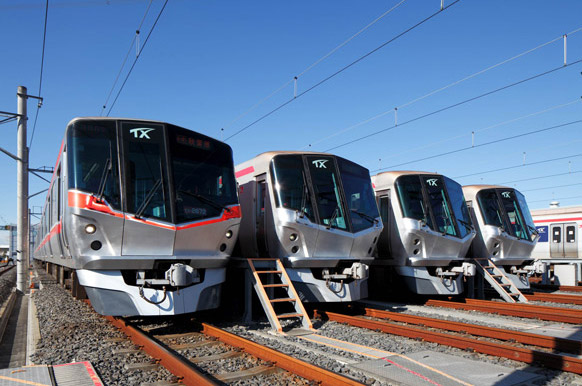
(516, 219)
(490, 209)
(327, 191)
(92, 152)
(459, 206)
(437, 198)
(291, 188)
(570, 234)
(359, 194)
(411, 199)
(203, 175)
(531, 229)
(146, 180)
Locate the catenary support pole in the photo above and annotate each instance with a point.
(22, 245)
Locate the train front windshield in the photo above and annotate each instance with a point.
(194, 181)
(507, 209)
(335, 194)
(437, 201)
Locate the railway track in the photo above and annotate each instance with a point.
(555, 314)
(555, 298)
(179, 357)
(5, 269)
(464, 336)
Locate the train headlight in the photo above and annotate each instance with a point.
(228, 234)
(293, 236)
(496, 245)
(90, 229)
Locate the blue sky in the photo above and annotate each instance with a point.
(207, 62)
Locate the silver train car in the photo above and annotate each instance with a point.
(317, 213)
(506, 232)
(427, 231)
(143, 214)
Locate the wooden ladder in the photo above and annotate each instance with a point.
(500, 283)
(281, 290)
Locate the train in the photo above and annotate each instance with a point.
(317, 213)
(144, 214)
(506, 231)
(560, 245)
(427, 232)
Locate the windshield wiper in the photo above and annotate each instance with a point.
(206, 200)
(148, 198)
(106, 171)
(467, 225)
(333, 217)
(365, 216)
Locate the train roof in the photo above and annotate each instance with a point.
(559, 210)
(114, 119)
(260, 163)
(474, 189)
(386, 179)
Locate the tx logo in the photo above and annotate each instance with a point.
(432, 182)
(141, 133)
(320, 163)
(506, 194)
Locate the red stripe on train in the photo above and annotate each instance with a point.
(244, 172)
(559, 220)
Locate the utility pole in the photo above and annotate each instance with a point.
(22, 244)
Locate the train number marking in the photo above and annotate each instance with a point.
(506, 194)
(320, 163)
(141, 133)
(432, 182)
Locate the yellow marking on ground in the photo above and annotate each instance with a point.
(388, 353)
(22, 381)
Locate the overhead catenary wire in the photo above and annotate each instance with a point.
(520, 165)
(551, 187)
(39, 104)
(556, 199)
(538, 177)
(454, 105)
(311, 66)
(133, 41)
(483, 144)
(138, 56)
(341, 70)
(545, 110)
(480, 72)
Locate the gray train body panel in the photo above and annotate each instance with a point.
(325, 262)
(505, 231)
(175, 250)
(426, 248)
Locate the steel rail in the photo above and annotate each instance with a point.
(181, 368)
(286, 362)
(569, 288)
(528, 307)
(555, 298)
(562, 344)
(6, 269)
(554, 314)
(556, 361)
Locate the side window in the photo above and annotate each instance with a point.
(570, 234)
(557, 235)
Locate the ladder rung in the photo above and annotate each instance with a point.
(268, 271)
(488, 267)
(275, 285)
(283, 300)
(284, 316)
(512, 294)
(496, 276)
(262, 259)
(505, 285)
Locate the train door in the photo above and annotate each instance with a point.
(148, 228)
(564, 242)
(262, 196)
(384, 205)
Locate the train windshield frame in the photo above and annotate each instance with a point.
(203, 175)
(317, 187)
(427, 198)
(506, 208)
(93, 159)
(162, 171)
